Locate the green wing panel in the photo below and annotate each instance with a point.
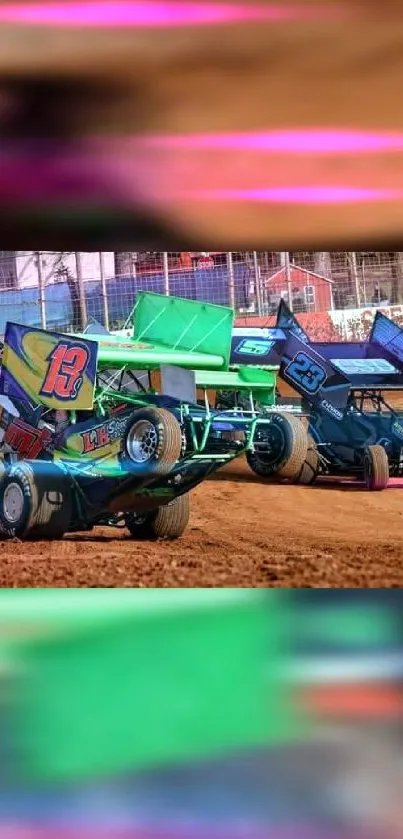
(186, 325)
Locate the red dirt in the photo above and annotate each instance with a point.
(242, 533)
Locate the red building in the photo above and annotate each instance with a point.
(310, 292)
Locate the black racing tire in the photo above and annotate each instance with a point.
(310, 468)
(153, 442)
(167, 522)
(286, 443)
(376, 468)
(3, 468)
(35, 503)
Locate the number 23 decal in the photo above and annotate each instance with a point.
(65, 372)
(305, 372)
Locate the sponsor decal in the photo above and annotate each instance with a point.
(334, 412)
(364, 366)
(254, 346)
(126, 346)
(103, 435)
(306, 373)
(27, 441)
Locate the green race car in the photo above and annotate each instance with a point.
(90, 441)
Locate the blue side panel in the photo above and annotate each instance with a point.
(314, 378)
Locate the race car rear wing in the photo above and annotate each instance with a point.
(375, 364)
(387, 336)
(168, 330)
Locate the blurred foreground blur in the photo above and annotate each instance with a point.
(192, 714)
(158, 124)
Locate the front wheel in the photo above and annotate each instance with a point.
(376, 468)
(35, 502)
(168, 522)
(280, 447)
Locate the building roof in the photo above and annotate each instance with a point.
(300, 270)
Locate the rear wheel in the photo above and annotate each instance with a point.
(310, 468)
(376, 468)
(280, 447)
(168, 522)
(153, 442)
(34, 504)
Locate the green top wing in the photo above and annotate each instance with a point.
(106, 682)
(171, 330)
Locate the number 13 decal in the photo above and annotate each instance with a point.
(305, 372)
(64, 376)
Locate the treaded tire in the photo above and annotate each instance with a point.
(3, 468)
(160, 450)
(168, 522)
(376, 468)
(45, 501)
(310, 469)
(287, 460)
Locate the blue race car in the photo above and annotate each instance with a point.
(344, 388)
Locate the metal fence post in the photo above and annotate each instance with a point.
(104, 290)
(352, 258)
(166, 274)
(81, 290)
(258, 284)
(287, 266)
(231, 280)
(41, 288)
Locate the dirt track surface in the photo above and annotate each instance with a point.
(242, 533)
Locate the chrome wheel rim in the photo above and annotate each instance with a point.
(13, 503)
(142, 441)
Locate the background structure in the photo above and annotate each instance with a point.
(61, 290)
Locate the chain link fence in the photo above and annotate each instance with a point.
(61, 290)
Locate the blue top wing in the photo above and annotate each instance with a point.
(374, 364)
(387, 337)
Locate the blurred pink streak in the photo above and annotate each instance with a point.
(298, 195)
(306, 141)
(156, 14)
